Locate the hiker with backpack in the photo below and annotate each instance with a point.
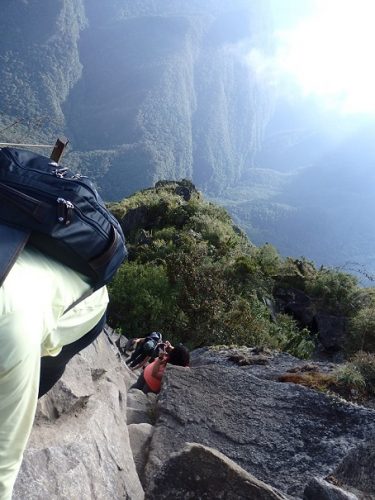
(147, 348)
(152, 375)
(56, 256)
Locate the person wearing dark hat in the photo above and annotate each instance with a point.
(146, 349)
(39, 333)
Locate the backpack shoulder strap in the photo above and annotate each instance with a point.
(83, 297)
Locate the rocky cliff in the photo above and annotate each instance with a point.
(39, 64)
(144, 90)
(217, 430)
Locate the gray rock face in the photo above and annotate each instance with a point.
(199, 472)
(138, 408)
(319, 489)
(357, 470)
(281, 433)
(295, 302)
(79, 447)
(252, 436)
(140, 437)
(136, 217)
(331, 330)
(262, 363)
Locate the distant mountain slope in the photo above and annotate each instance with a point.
(145, 90)
(325, 212)
(39, 64)
(166, 85)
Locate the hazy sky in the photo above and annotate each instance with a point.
(323, 48)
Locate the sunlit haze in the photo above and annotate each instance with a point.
(329, 54)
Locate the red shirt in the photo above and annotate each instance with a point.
(153, 382)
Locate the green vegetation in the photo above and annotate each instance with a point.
(39, 61)
(362, 331)
(195, 276)
(350, 381)
(365, 364)
(336, 289)
(353, 380)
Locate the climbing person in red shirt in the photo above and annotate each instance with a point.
(152, 375)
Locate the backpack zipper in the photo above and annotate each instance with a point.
(60, 173)
(64, 211)
(57, 172)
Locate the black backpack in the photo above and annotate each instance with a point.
(63, 212)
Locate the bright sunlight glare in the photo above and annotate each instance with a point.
(330, 54)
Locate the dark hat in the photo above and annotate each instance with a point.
(155, 335)
(12, 242)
